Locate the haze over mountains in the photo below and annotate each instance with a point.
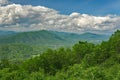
(6, 33)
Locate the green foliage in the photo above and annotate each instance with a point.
(20, 51)
(84, 61)
(15, 51)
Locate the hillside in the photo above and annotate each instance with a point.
(85, 61)
(51, 38)
(14, 45)
(38, 37)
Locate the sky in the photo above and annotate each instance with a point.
(77, 16)
(93, 7)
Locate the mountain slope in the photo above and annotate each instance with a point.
(45, 37)
(23, 45)
(84, 61)
(37, 37)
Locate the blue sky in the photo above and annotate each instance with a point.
(92, 7)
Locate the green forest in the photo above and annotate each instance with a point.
(83, 61)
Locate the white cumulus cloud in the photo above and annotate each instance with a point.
(17, 17)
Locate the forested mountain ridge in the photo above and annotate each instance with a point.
(50, 38)
(85, 61)
(37, 37)
(23, 45)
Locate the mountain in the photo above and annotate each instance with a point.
(94, 37)
(22, 45)
(84, 61)
(50, 38)
(34, 37)
(90, 37)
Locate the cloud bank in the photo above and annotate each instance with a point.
(3, 2)
(17, 17)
